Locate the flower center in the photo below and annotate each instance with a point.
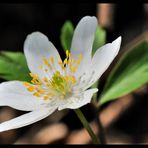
(60, 84)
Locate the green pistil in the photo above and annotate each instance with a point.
(59, 84)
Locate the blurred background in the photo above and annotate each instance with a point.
(126, 119)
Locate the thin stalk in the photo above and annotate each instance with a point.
(86, 126)
(101, 134)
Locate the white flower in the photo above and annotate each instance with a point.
(56, 84)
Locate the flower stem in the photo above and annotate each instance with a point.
(100, 127)
(86, 126)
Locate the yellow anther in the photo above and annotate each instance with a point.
(59, 63)
(74, 69)
(31, 88)
(34, 76)
(52, 60)
(73, 80)
(79, 59)
(57, 72)
(26, 83)
(65, 61)
(31, 74)
(67, 53)
(46, 97)
(36, 94)
(78, 62)
(33, 81)
(45, 79)
(50, 94)
(40, 91)
(66, 78)
(41, 67)
(72, 61)
(45, 61)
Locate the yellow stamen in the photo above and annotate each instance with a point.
(46, 97)
(40, 91)
(52, 60)
(36, 94)
(67, 53)
(26, 83)
(72, 61)
(50, 94)
(74, 69)
(45, 61)
(41, 67)
(65, 61)
(72, 78)
(78, 61)
(66, 78)
(45, 79)
(31, 88)
(59, 85)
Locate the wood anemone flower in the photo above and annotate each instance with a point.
(57, 84)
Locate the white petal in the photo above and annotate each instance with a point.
(82, 41)
(79, 101)
(103, 58)
(26, 119)
(36, 47)
(15, 95)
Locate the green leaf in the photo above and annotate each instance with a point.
(100, 39)
(13, 66)
(129, 74)
(66, 35)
